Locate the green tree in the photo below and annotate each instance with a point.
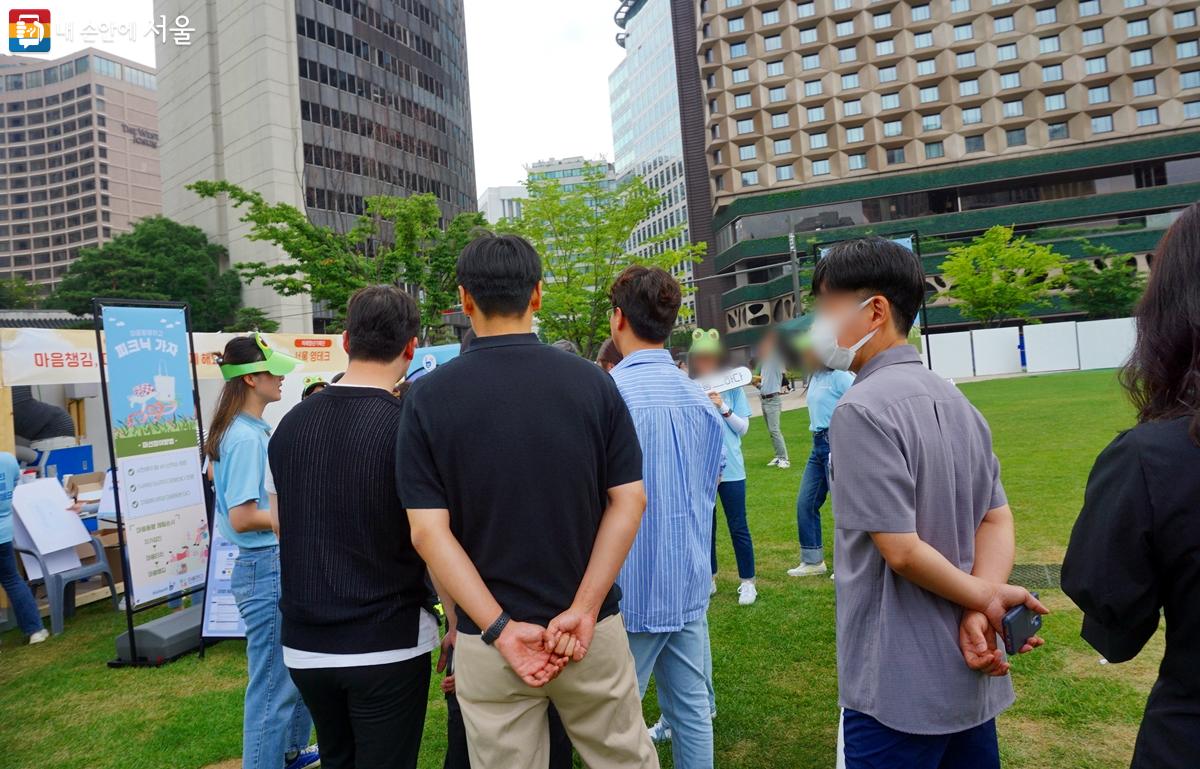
(330, 266)
(582, 234)
(252, 319)
(1104, 285)
(158, 260)
(17, 294)
(999, 277)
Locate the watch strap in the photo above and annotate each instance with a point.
(493, 632)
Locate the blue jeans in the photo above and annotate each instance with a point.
(681, 663)
(275, 721)
(814, 487)
(733, 499)
(871, 745)
(19, 594)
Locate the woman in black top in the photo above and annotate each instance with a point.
(1135, 549)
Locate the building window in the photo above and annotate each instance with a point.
(1056, 131)
(846, 55)
(737, 24)
(859, 162)
(1089, 8)
(934, 150)
(1049, 44)
(1046, 16)
(888, 74)
(776, 95)
(780, 120)
(931, 122)
(770, 17)
(808, 35)
(783, 147)
(1184, 19)
(1010, 80)
(1137, 27)
(1141, 58)
(855, 135)
(808, 62)
(741, 75)
(1147, 117)
(749, 178)
(928, 95)
(889, 101)
(1102, 124)
(732, 3)
(812, 88)
(1006, 52)
(1093, 36)
(1003, 24)
(1134, 3)
(1189, 80)
(775, 68)
(820, 168)
(742, 101)
(816, 114)
(745, 126)
(923, 40)
(713, 107)
(1144, 87)
(784, 173)
(892, 128)
(895, 156)
(1052, 73)
(974, 143)
(818, 141)
(1055, 101)
(806, 10)
(852, 107)
(1096, 65)
(927, 67)
(960, 6)
(1098, 95)
(968, 87)
(773, 43)
(964, 32)
(737, 50)
(920, 13)
(1015, 137)
(972, 116)
(885, 47)
(850, 82)
(1187, 49)
(844, 28)
(1014, 108)
(1191, 110)
(747, 152)
(965, 60)
(882, 20)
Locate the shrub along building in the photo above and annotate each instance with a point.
(831, 119)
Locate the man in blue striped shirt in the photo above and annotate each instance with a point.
(665, 580)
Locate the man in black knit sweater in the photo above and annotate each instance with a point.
(356, 635)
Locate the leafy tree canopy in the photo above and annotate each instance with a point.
(998, 277)
(1105, 285)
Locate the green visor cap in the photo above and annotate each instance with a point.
(273, 362)
(705, 342)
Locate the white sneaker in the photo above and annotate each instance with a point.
(831, 575)
(660, 732)
(773, 462)
(713, 590)
(808, 570)
(39, 636)
(747, 593)
(783, 464)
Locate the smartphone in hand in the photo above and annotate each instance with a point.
(1019, 625)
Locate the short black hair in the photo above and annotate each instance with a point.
(380, 320)
(500, 273)
(870, 266)
(649, 298)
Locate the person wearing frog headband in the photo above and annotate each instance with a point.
(276, 724)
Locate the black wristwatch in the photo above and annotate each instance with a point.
(492, 633)
(727, 414)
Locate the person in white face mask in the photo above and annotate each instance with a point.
(923, 541)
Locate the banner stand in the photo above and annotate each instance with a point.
(98, 306)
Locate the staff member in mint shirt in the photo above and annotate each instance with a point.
(276, 725)
(19, 594)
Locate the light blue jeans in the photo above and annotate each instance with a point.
(275, 721)
(681, 662)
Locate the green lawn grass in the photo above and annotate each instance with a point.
(774, 662)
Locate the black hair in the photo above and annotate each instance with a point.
(649, 298)
(1162, 376)
(380, 321)
(870, 266)
(500, 273)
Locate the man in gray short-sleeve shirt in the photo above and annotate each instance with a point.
(924, 537)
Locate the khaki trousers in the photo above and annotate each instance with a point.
(597, 699)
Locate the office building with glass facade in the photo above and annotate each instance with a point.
(833, 118)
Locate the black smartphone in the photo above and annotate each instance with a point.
(448, 656)
(1019, 625)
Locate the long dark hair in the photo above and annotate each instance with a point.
(1163, 372)
(242, 349)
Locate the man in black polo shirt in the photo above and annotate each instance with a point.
(521, 471)
(356, 638)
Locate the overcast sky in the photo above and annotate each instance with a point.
(539, 73)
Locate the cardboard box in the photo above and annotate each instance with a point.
(85, 487)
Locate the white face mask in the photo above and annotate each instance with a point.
(824, 337)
